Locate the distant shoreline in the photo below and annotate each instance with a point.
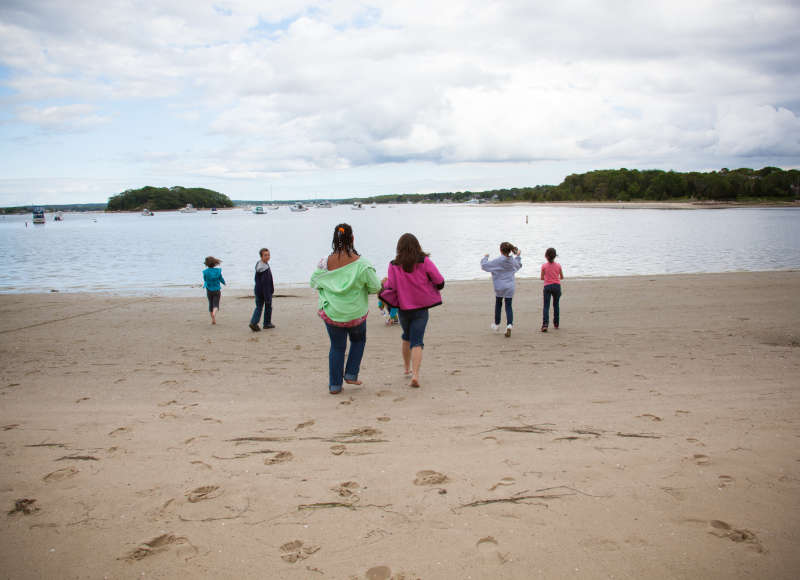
(665, 205)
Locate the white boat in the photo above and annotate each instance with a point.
(357, 205)
(274, 207)
(59, 217)
(298, 207)
(373, 206)
(147, 212)
(259, 210)
(214, 211)
(324, 204)
(38, 215)
(188, 209)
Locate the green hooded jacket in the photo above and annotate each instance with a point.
(343, 293)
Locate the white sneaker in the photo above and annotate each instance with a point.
(508, 330)
(495, 327)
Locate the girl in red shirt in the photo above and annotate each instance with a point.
(552, 274)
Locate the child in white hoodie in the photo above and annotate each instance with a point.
(503, 269)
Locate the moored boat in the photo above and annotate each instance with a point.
(38, 215)
(146, 212)
(188, 209)
(259, 210)
(298, 207)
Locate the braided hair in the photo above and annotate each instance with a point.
(343, 240)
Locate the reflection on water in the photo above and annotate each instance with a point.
(164, 253)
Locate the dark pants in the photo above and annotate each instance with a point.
(336, 367)
(413, 323)
(553, 290)
(213, 299)
(266, 304)
(498, 302)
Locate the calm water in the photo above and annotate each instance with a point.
(164, 254)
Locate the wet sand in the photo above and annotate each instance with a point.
(654, 435)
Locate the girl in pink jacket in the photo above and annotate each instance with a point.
(417, 281)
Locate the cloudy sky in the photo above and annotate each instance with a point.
(340, 98)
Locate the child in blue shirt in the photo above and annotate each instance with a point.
(212, 277)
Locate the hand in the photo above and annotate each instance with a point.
(385, 279)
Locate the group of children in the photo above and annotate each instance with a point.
(263, 289)
(503, 270)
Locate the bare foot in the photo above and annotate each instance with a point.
(356, 382)
(407, 372)
(414, 384)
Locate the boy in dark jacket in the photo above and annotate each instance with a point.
(263, 291)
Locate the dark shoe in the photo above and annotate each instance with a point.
(555, 325)
(269, 325)
(544, 328)
(254, 327)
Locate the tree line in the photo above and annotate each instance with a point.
(744, 185)
(164, 198)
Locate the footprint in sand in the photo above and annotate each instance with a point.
(280, 457)
(725, 481)
(488, 546)
(338, 449)
(701, 459)
(379, 573)
(293, 551)
(305, 424)
(158, 544)
(119, 431)
(429, 477)
(61, 474)
(384, 419)
(203, 493)
(346, 489)
(725, 530)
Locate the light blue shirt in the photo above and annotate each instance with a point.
(502, 269)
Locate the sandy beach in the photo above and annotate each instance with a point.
(656, 434)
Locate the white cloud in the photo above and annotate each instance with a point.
(289, 88)
(66, 117)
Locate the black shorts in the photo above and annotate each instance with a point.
(213, 299)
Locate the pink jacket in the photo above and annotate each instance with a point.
(417, 289)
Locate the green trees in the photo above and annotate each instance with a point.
(769, 183)
(159, 198)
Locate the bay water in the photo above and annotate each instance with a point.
(132, 254)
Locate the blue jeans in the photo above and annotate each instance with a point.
(498, 302)
(413, 323)
(266, 304)
(553, 290)
(336, 367)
